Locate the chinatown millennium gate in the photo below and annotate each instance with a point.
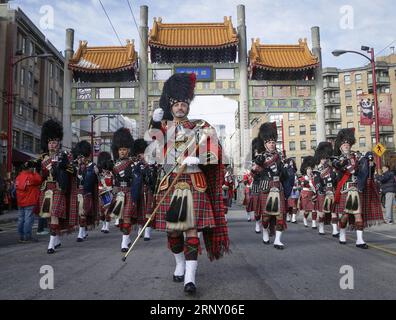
(109, 81)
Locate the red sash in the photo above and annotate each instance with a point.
(344, 179)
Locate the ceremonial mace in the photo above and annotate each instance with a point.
(181, 170)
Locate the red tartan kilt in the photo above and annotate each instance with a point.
(320, 202)
(253, 200)
(371, 204)
(262, 203)
(130, 211)
(292, 202)
(58, 202)
(306, 203)
(339, 208)
(246, 197)
(204, 216)
(145, 207)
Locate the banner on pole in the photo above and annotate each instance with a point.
(366, 103)
(385, 109)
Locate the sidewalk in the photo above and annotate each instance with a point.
(9, 217)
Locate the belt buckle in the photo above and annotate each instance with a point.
(123, 184)
(276, 179)
(329, 185)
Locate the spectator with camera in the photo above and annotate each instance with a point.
(27, 193)
(388, 186)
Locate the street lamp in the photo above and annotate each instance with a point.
(10, 99)
(93, 119)
(338, 53)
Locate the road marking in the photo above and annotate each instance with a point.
(382, 234)
(382, 249)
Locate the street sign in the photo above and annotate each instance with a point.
(379, 150)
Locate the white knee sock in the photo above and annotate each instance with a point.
(191, 269)
(277, 241)
(321, 227)
(265, 235)
(180, 264)
(343, 235)
(294, 217)
(107, 224)
(51, 244)
(125, 241)
(335, 228)
(57, 240)
(258, 226)
(81, 233)
(359, 235)
(147, 233)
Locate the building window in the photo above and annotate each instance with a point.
(292, 116)
(27, 142)
(30, 80)
(206, 85)
(302, 130)
(292, 146)
(24, 45)
(362, 142)
(22, 77)
(359, 92)
(37, 145)
(225, 74)
(313, 128)
(281, 91)
(347, 79)
(348, 94)
(301, 116)
(51, 70)
(303, 145)
(337, 111)
(313, 144)
(361, 128)
(51, 97)
(304, 92)
(219, 85)
(292, 131)
(127, 93)
(105, 93)
(20, 109)
(276, 118)
(338, 126)
(349, 111)
(16, 139)
(161, 75)
(358, 78)
(350, 125)
(56, 99)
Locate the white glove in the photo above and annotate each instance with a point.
(158, 114)
(191, 161)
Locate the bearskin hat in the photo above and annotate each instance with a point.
(344, 136)
(323, 151)
(257, 146)
(83, 148)
(139, 146)
(268, 132)
(51, 130)
(104, 161)
(307, 162)
(122, 138)
(178, 88)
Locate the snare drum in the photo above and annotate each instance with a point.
(106, 197)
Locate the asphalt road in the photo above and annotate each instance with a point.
(309, 267)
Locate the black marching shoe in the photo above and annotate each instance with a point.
(146, 239)
(178, 278)
(322, 234)
(190, 288)
(106, 231)
(51, 251)
(124, 250)
(362, 246)
(278, 247)
(342, 242)
(267, 242)
(80, 239)
(336, 235)
(58, 246)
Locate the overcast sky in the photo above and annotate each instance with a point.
(344, 24)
